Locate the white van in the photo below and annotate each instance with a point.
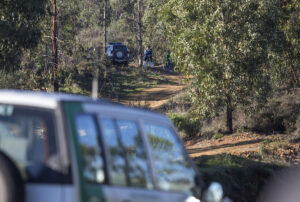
(67, 148)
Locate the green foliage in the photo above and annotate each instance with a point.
(284, 40)
(217, 136)
(7, 80)
(19, 29)
(186, 124)
(79, 32)
(267, 141)
(275, 117)
(222, 50)
(124, 26)
(232, 49)
(155, 30)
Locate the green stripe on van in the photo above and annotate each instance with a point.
(87, 192)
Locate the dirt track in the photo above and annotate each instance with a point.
(154, 97)
(232, 144)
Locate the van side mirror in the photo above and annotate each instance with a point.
(214, 193)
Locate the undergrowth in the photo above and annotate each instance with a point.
(241, 178)
(279, 115)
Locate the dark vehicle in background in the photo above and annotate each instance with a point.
(118, 53)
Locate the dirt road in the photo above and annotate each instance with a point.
(233, 144)
(155, 97)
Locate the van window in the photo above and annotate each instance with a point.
(116, 156)
(88, 137)
(128, 161)
(27, 136)
(138, 172)
(173, 171)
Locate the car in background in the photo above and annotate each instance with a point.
(69, 148)
(118, 53)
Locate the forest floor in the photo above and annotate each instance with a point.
(155, 97)
(233, 144)
(273, 148)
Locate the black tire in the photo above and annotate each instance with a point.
(11, 183)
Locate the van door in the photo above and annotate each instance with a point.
(129, 169)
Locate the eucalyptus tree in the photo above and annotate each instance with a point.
(221, 45)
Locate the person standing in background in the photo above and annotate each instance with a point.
(148, 57)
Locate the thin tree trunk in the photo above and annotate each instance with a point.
(293, 72)
(46, 57)
(54, 47)
(140, 26)
(105, 27)
(229, 111)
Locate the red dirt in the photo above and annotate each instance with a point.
(249, 145)
(233, 144)
(155, 97)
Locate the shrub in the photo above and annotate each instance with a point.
(217, 136)
(276, 117)
(185, 124)
(8, 80)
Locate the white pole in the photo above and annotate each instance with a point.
(95, 88)
(95, 80)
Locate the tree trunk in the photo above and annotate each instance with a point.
(46, 57)
(54, 47)
(293, 72)
(104, 26)
(140, 26)
(229, 111)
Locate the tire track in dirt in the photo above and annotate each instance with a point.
(155, 97)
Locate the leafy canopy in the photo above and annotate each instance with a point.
(222, 45)
(19, 29)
